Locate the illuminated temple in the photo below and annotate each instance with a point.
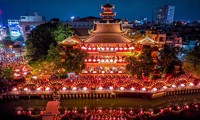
(108, 45)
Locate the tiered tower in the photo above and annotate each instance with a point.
(108, 13)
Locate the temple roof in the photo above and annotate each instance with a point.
(71, 41)
(146, 41)
(107, 28)
(108, 5)
(107, 38)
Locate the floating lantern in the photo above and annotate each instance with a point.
(111, 88)
(64, 88)
(100, 88)
(85, 88)
(74, 88)
(132, 89)
(121, 88)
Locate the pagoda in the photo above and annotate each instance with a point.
(108, 13)
(107, 45)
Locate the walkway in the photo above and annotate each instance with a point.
(52, 112)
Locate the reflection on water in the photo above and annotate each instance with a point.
(10, 108)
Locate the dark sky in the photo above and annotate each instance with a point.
(64, 9)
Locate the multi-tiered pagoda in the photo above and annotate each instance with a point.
(107, 45)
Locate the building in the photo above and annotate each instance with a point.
(108, 45)
(15, 30)
(28, 23)
(166, 14)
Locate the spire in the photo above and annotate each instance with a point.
(108, 13)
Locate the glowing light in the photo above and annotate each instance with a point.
(94, 71)
(164, 87)
(17, 70)
(94, 60)
(131, 48)
(143, 89)
(25, 73)
(103, 72)
(47, 89)
(182, 85)
(93, 48)
(64, 88)
(111, 49)
(17, 75)
(89, 60)
(103, 49)
(121, 88)
(98, 48)
(26, 89)
(74, 88)
(111, 88)
(19, 112)
(84, 48)
(173, 86)
(187, 107)
(191, 84)
(120, 60)
(120, 72)
(38, 89)
(107, 60)
(111, 72)
(125, 48)
(14, 89)
(34, 77)
(116, 48)
(107, 48)
(132, 89)
(89, 48)
(85, 88)
(154, 89)
(100, 88)
(178, 107)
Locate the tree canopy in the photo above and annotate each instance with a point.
(192, 62)
(7, 72)
(142, 65)
(168, 58)
(43, 36)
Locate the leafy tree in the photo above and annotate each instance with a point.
(147, 61)
(62, 32)
(142, 65)
(39, 40)
(168, 58)
(192, 62)
(75, 60)
(134, 66)
(7, 72)
(43, 36)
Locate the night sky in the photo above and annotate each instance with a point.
(64, 9)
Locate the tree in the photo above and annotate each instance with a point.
(192, 62)
(168, 58)
(7, 72)
(62, 32)
(39, 40)
(75, 60)
(134, 66)
(43, 36)
(142, 65)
